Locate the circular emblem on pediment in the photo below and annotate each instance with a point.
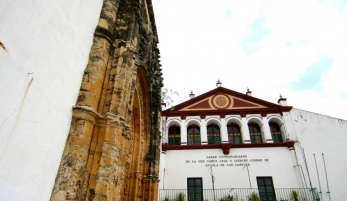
(221, 101)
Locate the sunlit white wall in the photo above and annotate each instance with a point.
(45, 50)
(319, 134)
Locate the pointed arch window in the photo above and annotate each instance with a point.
(213, 134)
(175, 135)
(193, 134)
(234, 133)
(275, 132)
(255, 133)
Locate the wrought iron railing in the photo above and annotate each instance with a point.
(241, 194)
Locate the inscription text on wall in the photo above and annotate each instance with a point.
(231, 160)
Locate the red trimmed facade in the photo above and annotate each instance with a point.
(221, 103)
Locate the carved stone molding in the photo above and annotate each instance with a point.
(110, 138)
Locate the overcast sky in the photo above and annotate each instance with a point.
(295, 47)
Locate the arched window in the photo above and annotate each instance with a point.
(234, 133)
(174, 135)
(213, 134)
(275, 132)
(193, 134)
(255, 133)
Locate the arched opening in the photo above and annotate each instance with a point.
(275, 132)
(175, 135)
(134, 150)
(234, 133)
(213, 134)
(255, 132)
(134, 183)
(193, 134)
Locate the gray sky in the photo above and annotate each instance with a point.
(297, 48)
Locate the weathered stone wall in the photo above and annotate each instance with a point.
(112, 152)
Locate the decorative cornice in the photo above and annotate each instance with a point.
(104, 33)
(88, 109)
(241, 112)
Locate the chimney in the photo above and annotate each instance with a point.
(248, 93)
(163, 106)
(219, 83)
(282, 101)
(191, 95)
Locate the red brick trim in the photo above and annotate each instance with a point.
(263, 113)
(222, 112)
(290, 144)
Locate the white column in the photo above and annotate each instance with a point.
(203, 132)
(245, 132)
(224, 131)
(166, 133)
(183, 132)
(266, 130)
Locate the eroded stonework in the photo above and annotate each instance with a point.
(112, 151)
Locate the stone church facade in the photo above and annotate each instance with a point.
(112, 149)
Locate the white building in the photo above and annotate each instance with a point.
(237, 144)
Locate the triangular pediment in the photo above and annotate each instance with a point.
(222, 99)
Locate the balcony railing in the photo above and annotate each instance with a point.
(241, 194)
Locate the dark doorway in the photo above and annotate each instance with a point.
(195, 189)
(266, 188)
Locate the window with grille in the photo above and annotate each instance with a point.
(234, 133)
(193, 134)
(175, 135)
(255, 133)
(213, 134)
(275, 132)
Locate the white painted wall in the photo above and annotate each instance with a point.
(47, 48)
(280, 167)
(315, 133)
(319, 134)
